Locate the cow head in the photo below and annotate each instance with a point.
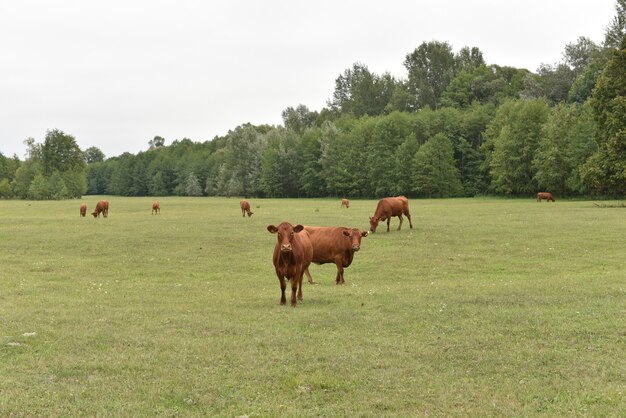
(354, 235)
(374, 223)
(285, 232)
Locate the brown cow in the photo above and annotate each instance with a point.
(245, 208)
(345, 202)
(156, 208)
(292, 256)
(101, 207)
(83, 209)
(545, 195)
(388, 207)
(334, 245)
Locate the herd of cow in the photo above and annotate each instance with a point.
(298, 246)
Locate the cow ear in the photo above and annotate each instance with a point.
(346, 232)
(364, 233)
(298, 228)
(272, 229)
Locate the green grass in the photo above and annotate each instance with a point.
(487, 307)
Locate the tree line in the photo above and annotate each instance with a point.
(454, 126)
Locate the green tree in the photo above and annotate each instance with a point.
(431, 67)
(614, 33)
(24, 175)
(38, 189)
(8, 167)
(156, 142)
(94, 155)
(56, 187)
(60, 152)
(605, 171)
(552, 82)
(468, 59)
(360, 92)
(435, 172)
(551, 161)
(310, 176)
(299, 119)
(511, 140)
(6, 191)
(192, 186)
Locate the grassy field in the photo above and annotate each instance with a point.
(487, 307)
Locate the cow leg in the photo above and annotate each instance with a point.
(408, 215)
(283, 287)
(294, 291)
(388, 221)
(308, 275)
(400, 217)
(339, 278)
(300, 287)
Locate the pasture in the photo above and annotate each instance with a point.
(487, 307)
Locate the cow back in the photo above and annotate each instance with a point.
(327, 242)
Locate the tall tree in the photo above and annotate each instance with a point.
(156, 142)
(605, 171)
(360, 92)
(551, 163)
(431, 67)
(61, 152)
(94, 155)
(435, 173)
(512, 138)
(299, 119)
(617, 28)
(469, 59)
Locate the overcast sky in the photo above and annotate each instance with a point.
(114, 74)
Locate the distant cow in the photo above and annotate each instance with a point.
(83, 209)
(102, 207)
(156, 208)
(345, 202)
(292, 256)
(245, 208)
(388, 207)
(545, 195)
(334, 245)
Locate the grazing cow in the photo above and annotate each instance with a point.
(245, 208)
(388, 207)
(545, 195)
(156, 208)
(345, 202)
(292, 256)
(83, 209)
(101, 207)
(334, 245)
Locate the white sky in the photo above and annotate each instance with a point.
(116, 73)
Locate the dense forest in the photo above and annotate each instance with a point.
(455, 126)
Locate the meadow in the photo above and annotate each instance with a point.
(487, 307)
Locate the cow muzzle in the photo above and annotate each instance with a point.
(285, 248)
(356, 248)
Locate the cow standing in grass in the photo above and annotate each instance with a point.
(334, 245)
(388, 207)
(292, 256)
(156, 208)
(83, 210)
(345, 203)
(545, 195)
(102, 207)
(245, 208)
